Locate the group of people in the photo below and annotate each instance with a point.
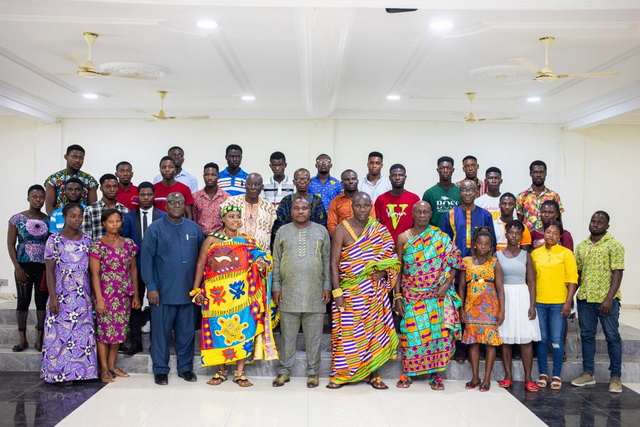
(466, 265)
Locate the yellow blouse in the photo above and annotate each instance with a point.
(555, 268)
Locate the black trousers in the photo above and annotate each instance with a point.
(35, 271)
(138, 317)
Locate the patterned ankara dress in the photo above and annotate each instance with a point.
(117, 289)
(430, 324)
(363, 336)
(481, 306)
(69, 347)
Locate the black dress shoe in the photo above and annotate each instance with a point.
(122, 349)
(134, 348)
(188, 376)
(161, 379)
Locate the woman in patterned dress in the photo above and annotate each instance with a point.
(114, 275)
(482, 291)
(69, 347)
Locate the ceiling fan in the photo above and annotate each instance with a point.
(546, 74)
(88, 69)
(161, 115)
(471, 118)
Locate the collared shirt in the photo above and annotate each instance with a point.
(128, 197)
(275, 191)
(56, 223)
(59, 180)
(149, 219)
(482, 186)
(327, 191)
(381, 186)
(340, 209)
(184, 177)
(92, 219)
(257, 219)
(596, 262)
(554, 268)
(528, 206)
(206, 210)
(233, 184)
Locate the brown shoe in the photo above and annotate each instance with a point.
(313, 381)
(280, 380)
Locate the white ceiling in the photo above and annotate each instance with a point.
(322, 59)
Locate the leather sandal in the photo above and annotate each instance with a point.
(218, 378)
(377, 383)
(543, 380)
(436, 383)
(240, 379)
(404, 381)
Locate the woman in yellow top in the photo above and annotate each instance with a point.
(556, 283)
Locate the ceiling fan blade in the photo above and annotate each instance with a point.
(503, 118)
(527, 63)
(192, 117)
(585, 75)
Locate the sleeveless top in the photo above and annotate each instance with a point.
(514, 270)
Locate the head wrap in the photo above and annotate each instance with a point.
(225, 209)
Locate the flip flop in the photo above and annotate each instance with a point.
(485, 387)
(505, 383)
(531, 386)
(471, 385)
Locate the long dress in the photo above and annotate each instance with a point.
(117, 289)
(236, 314)
(69, 347)
(481, 305)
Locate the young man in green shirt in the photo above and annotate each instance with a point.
(445, 195)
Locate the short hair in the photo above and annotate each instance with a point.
(146, 184)
(323, 155)
(167, 158)
(211, 165)
(175, 147)
(107, 176)
(537, 163)
(555, 224)
(278, 155)
(375, 154)
(122, 163)
(35, 187)
(604, 214)
(507, 194)
(445, 159)
(298, 197)
(515, 224)
(348, 170)
(107, 213)
(66, 208)
(470, 157)
(493, 169)
(397, 166)
(556, 206)
(301, 170)
(480, 231)
(74, 180)
(232, 147)
(75, 147)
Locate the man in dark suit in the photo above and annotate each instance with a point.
(134, 225)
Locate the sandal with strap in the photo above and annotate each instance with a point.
(334, 386)
(505, 383)
(218, 378)
(377, 383)
(436, 383)
(556, 383)
(485, 387)
(404, 381)
(531, 386)
(18, 348)
(118, 373)
(240, 379)
(105, 376)
(543, 380)
(470, 385)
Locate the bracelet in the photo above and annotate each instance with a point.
(337, 293)
(397, 297)
(195, 292)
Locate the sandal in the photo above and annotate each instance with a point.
(436, 383)
(334, 386)
(377, 383)
(471, 385)
(531, 386)
(556, 383)
(485, 387)
(240, 379)
(18, 348)
(118, 373)
(105, 376)
(505, 383)
(218, 378)
(543, 379)
(404, 381)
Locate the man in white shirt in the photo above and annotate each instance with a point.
(279, 185)
(177, 154)
(490, 201)
(374, 183)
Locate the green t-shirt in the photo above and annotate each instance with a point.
(441, 201)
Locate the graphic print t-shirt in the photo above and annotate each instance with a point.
(394, 212)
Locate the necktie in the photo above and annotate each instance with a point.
(144, 222)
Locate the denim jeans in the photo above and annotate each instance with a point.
(551, 330)
(588, 315)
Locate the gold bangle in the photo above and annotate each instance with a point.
(337, 293)
(195, 292)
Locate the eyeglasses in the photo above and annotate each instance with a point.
(175, 203)
(323, 161)
(302, 180)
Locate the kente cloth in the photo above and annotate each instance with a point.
(481, 305)
(236, 314)
(363, 336)
(430, 325)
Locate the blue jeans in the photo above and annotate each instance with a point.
(588, 315)
(551, 330)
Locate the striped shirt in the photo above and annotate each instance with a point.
(233, 184)
(275, 191)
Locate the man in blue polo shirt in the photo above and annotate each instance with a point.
(233, 178)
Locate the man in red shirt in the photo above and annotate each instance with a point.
(169, 185)
(393, 208)
(127, 192)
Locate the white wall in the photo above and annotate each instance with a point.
(33, 151)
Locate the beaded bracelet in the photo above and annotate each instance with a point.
(337, 293)
(195, 292)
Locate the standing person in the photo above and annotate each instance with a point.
(168, 260)
(73, 191)
(279, 185)
(482, 291)
(443, 196)
(374, 183)
(340, 207)
(232, 287)
(69, 347)
(393, 208)
(470, 168)
(301, 179)
(301, 289)
(134, 227)
(323, 184)
(257, 213)
(182, 176)
(127, 192)
(169, 185)
(29, 229)
(490, 200)
(520, 324)
(114, 276)
(92, 225)
(556, 281)
(364, 267)
(461, 222)
(531, 199)
(55, 183)
(233, 178)
(507, 207)
(207, 202)
(600, 260)
(550, 210)
(426, 300)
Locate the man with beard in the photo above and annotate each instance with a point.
(374, 183)
(73, 192)
(324, 185)
(92, 219)
(55, 184)
(127, 192)
(207, 202)
(530, 200)
(443, 196)
(340, 207)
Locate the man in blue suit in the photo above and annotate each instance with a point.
(134, 226)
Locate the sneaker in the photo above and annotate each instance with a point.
(615, 385)
(146, 328)
(583, 380)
